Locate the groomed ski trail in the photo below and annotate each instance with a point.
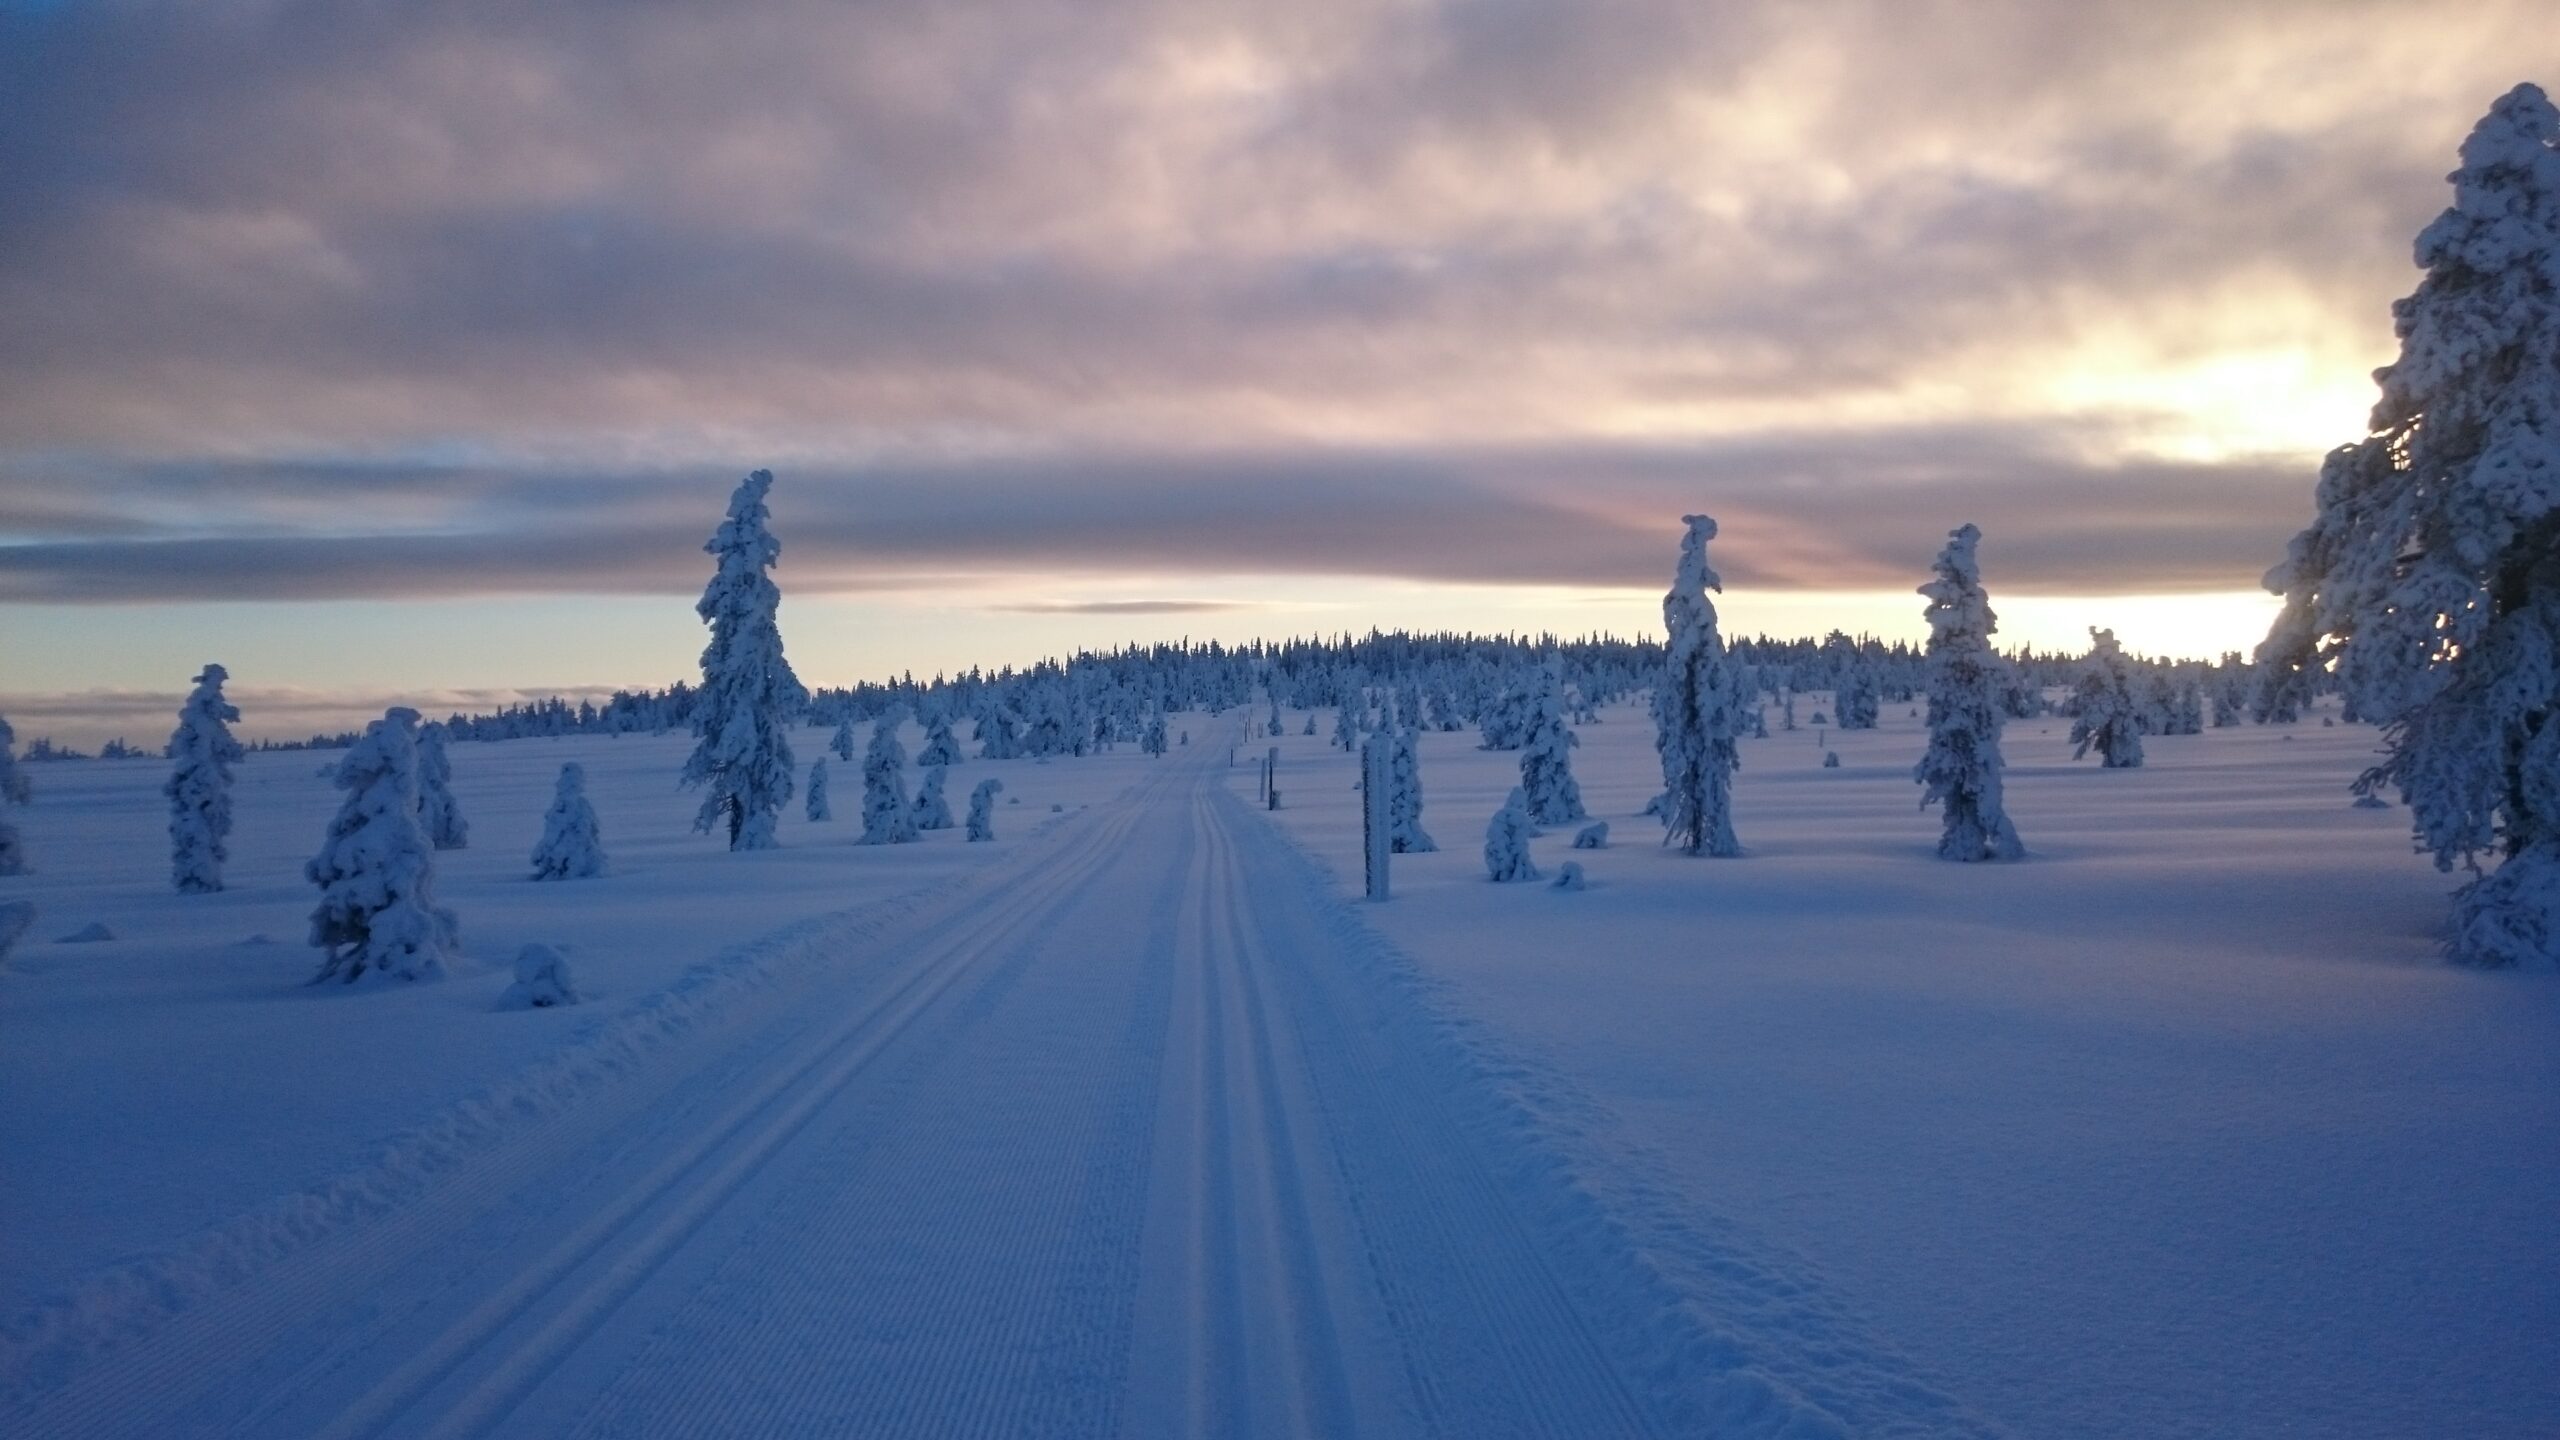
(1131, 1136)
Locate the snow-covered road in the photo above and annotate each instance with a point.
(1138, 1133)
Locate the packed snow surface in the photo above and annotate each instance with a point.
(1135, 1122)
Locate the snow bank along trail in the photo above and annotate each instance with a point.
(1134, 1136)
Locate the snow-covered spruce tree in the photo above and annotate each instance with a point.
(1546, 757)
(842, 741)
(437, 814)
(933, 812)
(1967, 681)
(201, 753)
(888, 817)
(941, 747)
(982, 809)
(376, 870)
(819, 809)
(2429, 578)
(1154, 742)
(1506, 840)
(1405, 835)
(1346, 720)
(14, 789)
(2110, 714)
(1857, 700)
(743, 713)
(570, 847)
(1695, 711)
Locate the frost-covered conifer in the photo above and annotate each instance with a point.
(1504, 721)
(819, 809)
(2110, 715)
(982, 809)
(932, 812)
(1274, 726)
(2429, 577)
(742, 715)
(437, 814)
(1346, 721)
(376, 870)
(888, 817)
(202, 752)
(14, 789)
(1154, 743)
(1967, 679)
(1405, 835)
(1310, 727)
(1506, 840)
(1695, 710)
(570, 848)
(941, 747)
(999, 735)
(1857, 699)
(1546, 757)
(842, 741)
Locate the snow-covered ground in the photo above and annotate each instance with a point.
(182, 1073)
(2179, 1127)
(1135, 1122)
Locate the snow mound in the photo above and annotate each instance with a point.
(542, 981)
(89, 934)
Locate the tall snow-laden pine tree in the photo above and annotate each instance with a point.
(1546, 756)
(376, 870)
(888, 817)
(1506, 841)
(201, 753)
(842, 741)
(437, 814)
(818, 808)
(2110, 714)
(743, 713)
(570, 847)
(1695, 711)
(982, 809)
(932, 811)
(1405, 835)
(1967, 682)
(2429, 578)
(1857, 701)
(941, 747)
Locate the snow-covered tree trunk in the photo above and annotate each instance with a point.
(437, 813)
(1967, 680)
(202, 752)
(2429, 578)
(888, 817)
(982, 809)
(1506, 840)
(819, 809)
(1546, 757)
(1695, 710)
(570, 847)
(376, 869)
(2110, 714)
(743, 713)
(932, 811)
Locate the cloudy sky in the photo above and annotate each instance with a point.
(411, 350)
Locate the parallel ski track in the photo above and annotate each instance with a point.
(1494, 1343)
(751, 1131)
(148, 1388)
